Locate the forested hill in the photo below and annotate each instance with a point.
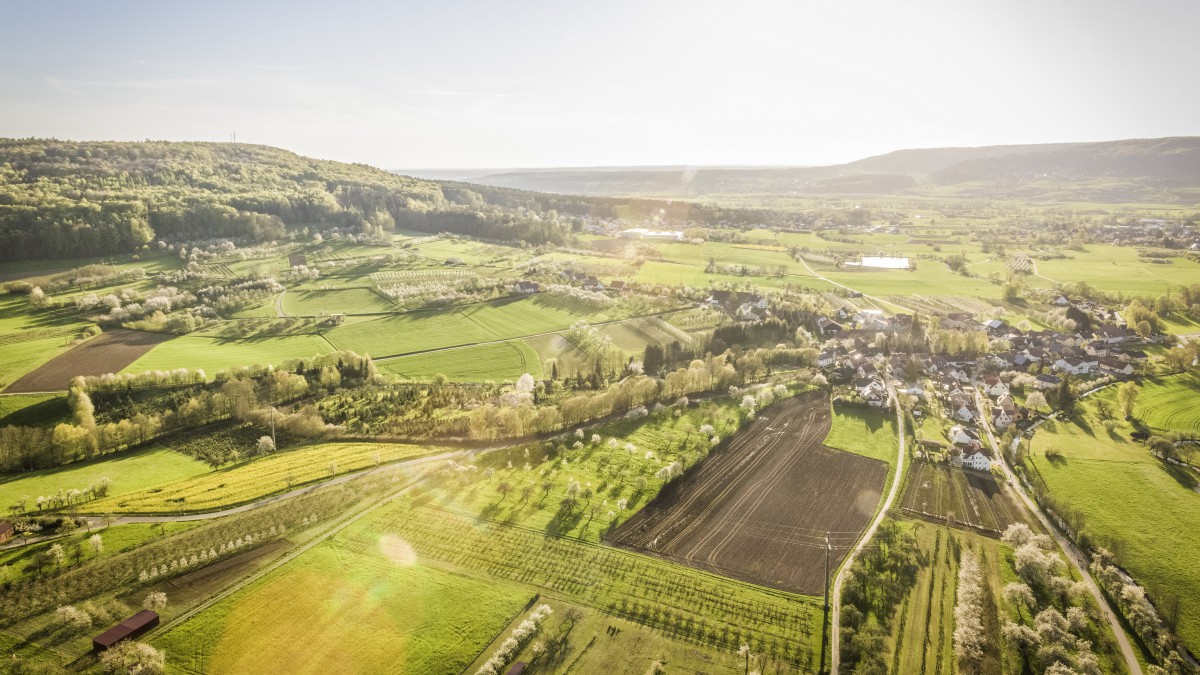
(61, 199)
(1158, 170)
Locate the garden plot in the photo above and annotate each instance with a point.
(942, 493)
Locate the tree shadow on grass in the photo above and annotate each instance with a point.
(565, 520)
(1056, 459)
(1184, 477)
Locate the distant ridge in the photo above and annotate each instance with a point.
(1158, 170)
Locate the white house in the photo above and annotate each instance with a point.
(1001, 419)
(977, 459)
(964, 413)
(1076, 366)
(997, 390)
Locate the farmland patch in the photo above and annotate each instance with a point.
(108, 353)
(760, 509)
(958, 496)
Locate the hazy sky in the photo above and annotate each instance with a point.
(559, 83)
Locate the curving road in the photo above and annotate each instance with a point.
(836, 597)
(1074, 555)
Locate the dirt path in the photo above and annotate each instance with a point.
(869, 297)
(1039, 274)
(1074, 555)
(836, 597)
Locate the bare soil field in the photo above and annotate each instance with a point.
(107, 353)
(961, 497)
(763, 508)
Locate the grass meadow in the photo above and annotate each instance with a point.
(455, 326)
(1169, 404)
(500, 361)
(1133, 503)
(348, 610)
(130, 472)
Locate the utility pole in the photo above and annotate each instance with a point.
(825, 613)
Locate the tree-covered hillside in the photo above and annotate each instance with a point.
(69, 199)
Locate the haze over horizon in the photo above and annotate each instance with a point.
(669, 83)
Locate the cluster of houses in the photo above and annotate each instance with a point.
(742, 305)
(847, 357)
(1151, 232)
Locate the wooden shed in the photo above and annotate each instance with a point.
(129, 628)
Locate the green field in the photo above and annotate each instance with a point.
(214, 353)
(248, 481)
(1132, 502)
(309, 300)
(33, 409)
(129, 471)
(865, 432)
(31, 337)
(343, 608)
(434, 329)
(500, 361)
(1118, 269)
(931, 278)
(1168, 404)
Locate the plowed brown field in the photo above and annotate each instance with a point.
(108, 353)
(762, 508)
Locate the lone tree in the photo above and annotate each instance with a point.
(155, 600)
(1127, 398)
(133, 658)
(264, 446)
(1036, 400)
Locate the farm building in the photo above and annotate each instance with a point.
(129, 628)
(518, 668)
(6, 531)
(528, 287)
(297, 260)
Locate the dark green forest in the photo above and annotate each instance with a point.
(65, 199)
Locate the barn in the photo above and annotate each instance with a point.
(129, 628)
(6, 531)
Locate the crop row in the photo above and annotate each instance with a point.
(688, 604)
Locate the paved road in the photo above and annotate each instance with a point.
(1074, 555)
(869, 297)
(836, 596)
